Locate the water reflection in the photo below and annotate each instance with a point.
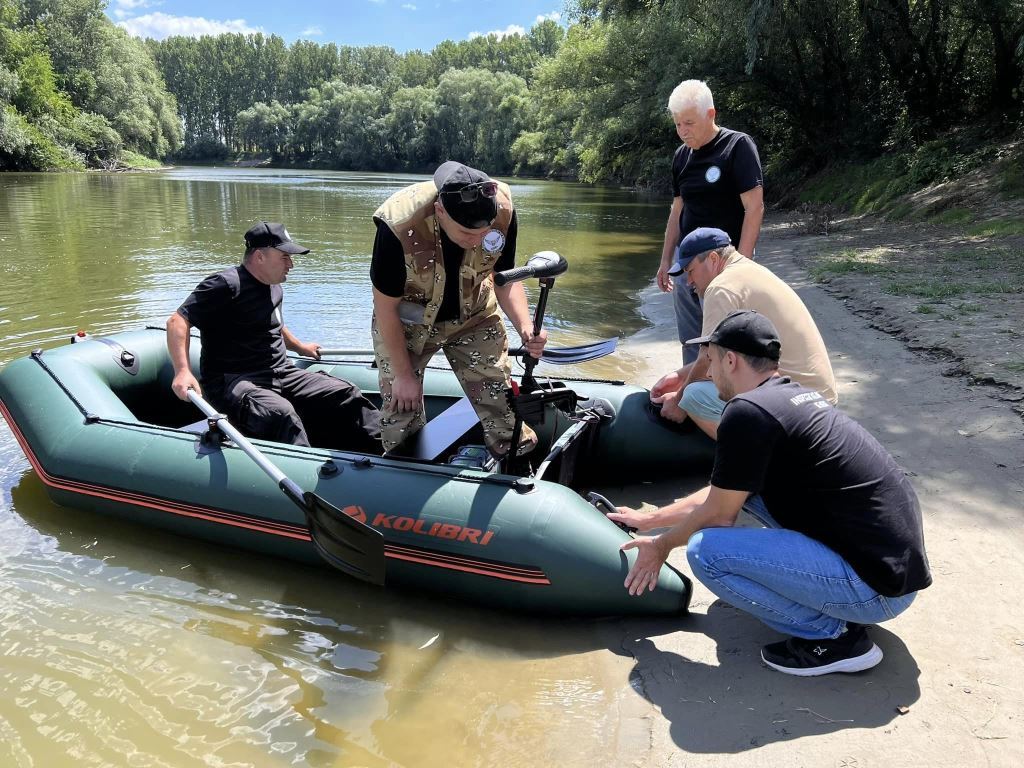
(121, 640)
(110, 251)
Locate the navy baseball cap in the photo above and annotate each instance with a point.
(269, 234)
(468, 195)
(746, 331)
(699, 241)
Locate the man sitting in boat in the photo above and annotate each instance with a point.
(438, 243)
(844, 546)
(726, 281)
(243, 366)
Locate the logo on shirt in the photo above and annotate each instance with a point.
(494, 241)
(809, 397)
(712, 174)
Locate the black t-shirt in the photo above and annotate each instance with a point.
(711, 179)
(239, 320)
(387, 267)
(822, 474)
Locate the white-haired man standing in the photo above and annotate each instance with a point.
(716, 182)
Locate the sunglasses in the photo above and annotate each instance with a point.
(471, 192)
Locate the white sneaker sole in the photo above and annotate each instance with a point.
(855, 664)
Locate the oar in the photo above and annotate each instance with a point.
(554, 355)
(349, 545)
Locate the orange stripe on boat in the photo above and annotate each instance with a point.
(432, 558)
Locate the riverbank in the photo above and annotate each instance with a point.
(945, 293)
(951, 686)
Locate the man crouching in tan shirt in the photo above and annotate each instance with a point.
(726, 281)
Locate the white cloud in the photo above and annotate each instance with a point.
(124, 8)
(511, 29)
(311, 31)
(409, 6)
(161, 25)
(553, 16)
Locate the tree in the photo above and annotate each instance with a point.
(408, 127)
(265, 127)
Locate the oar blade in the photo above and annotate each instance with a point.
(577, 354)
(349, 545)
(581, 354)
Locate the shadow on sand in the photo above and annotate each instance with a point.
(740, 704)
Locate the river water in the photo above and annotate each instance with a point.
(120, 645)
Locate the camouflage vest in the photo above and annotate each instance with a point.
(409, 213)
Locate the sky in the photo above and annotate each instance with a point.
(402, 24)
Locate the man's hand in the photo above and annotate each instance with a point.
(308, 350)
(670, 410)
(650, 557)
(666, 385)
(183, 382)
(664, 278)
(407, 393)
(534, 344)
(634, 518)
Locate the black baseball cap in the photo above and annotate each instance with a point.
(746, 331)
(269, 234)
(699, 241)
(451, 178)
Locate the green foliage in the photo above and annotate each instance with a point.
(265, 127)
(997, 228)
(408, 127)
(868, 99)
(876, 186)
(929, 289)
(15, 139)
(876, 261)
(1011, 175)
(134, 160)
(79, 88)
(252, 93)
(952, 217)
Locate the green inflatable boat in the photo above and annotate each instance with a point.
(102, 429)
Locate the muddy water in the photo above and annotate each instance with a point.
(120, 645)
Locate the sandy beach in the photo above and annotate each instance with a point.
(950, 689)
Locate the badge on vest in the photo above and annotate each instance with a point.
(493, 241)
(712, 174)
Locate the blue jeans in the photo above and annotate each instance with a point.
(701, 399)
(793, 583)
(689, 316)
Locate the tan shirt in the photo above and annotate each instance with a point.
(745, 284)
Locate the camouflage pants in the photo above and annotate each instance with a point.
(478, 353)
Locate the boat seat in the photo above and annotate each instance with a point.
(440, 434)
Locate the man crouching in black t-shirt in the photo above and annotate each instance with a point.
(844, 546)
(243, 365)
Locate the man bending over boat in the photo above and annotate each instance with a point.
(243, 366)
(437, 246)
(844, 546)
(726, 281)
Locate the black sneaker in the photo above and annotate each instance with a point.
(852, 651)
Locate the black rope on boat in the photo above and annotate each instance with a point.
(90, 418)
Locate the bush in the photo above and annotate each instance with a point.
(204, 151)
